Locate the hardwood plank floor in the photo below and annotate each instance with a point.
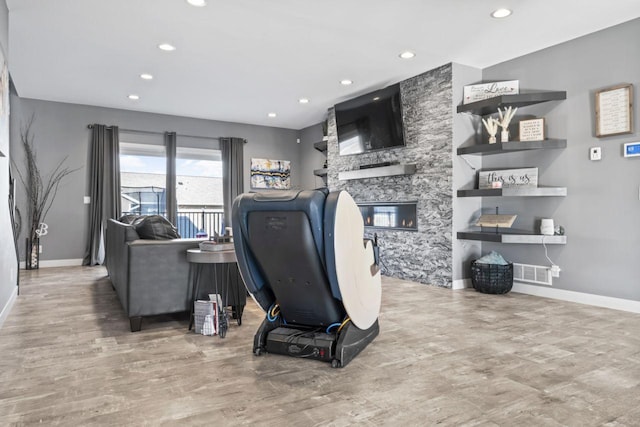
(443, 357)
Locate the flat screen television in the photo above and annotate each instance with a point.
(370, 122)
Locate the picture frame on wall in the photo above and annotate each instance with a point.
(614, 110)
(270, 174)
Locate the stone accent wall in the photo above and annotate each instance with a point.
(424, 256)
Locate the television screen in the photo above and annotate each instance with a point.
(370, 122)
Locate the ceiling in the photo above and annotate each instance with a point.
(238, 60)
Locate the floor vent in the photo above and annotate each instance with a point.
(537, 274)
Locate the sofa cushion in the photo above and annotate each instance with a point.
(155, 227)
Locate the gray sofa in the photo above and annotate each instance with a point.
(149, 276)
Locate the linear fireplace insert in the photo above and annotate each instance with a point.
(390, 215)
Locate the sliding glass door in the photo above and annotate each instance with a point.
(199, 192)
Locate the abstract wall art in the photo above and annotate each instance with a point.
(270, 174)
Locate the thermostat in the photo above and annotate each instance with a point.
(632, 149)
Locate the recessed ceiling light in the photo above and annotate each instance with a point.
(377, 98)
(166, 47)
(501, 13)
(407, 55)
(303, 101)
(197, 3)
(134, 97)
(272, 115)
(146, 76)
(346, 82)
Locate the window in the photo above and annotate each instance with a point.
(143, 179)
(199, 196)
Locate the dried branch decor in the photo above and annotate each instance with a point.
(491, 125)
(40, 191)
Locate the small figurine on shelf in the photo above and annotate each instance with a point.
(492, 128)
(504, 121)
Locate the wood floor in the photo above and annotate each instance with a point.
(442, 357)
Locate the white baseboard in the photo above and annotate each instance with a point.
(579, 297)
(56, 263)
(7, 308)
(461, 284)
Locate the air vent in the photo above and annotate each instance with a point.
(538, 274)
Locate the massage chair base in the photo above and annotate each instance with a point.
(337, 348)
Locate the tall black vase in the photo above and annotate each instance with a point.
(32, 255)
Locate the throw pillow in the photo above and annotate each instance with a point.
(128, 218)
(155, 227)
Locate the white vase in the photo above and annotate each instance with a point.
(492, 139)
(504, 136)
(546, 227)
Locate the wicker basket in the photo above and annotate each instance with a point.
(492, 278)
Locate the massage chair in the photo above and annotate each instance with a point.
(303, 259)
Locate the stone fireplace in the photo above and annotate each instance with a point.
(390, 215)
(424, 254)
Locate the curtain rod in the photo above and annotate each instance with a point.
(150, 132)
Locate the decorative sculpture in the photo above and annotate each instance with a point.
(492, 128)
(505, 119)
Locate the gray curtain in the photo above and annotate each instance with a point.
(104, 170)
(171, 200)
(232, 174)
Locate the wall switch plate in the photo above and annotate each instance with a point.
(595, 153)
(40, 249)
(87, 200)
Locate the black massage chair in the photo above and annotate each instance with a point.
(302, 257)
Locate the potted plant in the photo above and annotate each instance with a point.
(40, 193)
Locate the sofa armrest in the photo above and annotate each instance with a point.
(117, 257)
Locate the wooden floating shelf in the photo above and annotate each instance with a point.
(321, 146)
(490, 106)
(515, 192)
(512, 146)
(392, 170)
(512, 236)
(320, 172)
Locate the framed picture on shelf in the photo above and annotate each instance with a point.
(478, 92)
(508, 178)
(614, 110)
(532, 130)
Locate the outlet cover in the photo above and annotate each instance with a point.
(87, 200)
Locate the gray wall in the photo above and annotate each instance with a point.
(310, 157)
(61, 130)
(423, 256)
(464, 132)
(8, 267)
(602, 209)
